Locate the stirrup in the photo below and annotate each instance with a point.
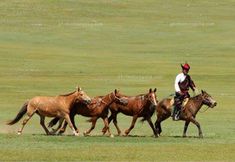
(176, 118)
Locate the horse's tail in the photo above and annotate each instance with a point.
(53, 122)
(20, 114)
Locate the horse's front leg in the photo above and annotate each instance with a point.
(116, 125)
(193, 120)
(104, 130)
(132, 125)
(93, 120)
(106, 125)
(62, 129)
(152, 126)
(186, 127)
(67, 118)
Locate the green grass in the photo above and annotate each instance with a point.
(50, 47)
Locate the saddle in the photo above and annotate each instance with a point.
(172, 101)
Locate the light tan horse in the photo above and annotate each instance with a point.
(58, 106)
(98, 108)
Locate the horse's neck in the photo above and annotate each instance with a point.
(195, 104)
(107, 100)
(69, 99)
(143, 101)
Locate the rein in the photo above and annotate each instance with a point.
(204, 110)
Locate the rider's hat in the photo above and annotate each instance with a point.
(185, 66)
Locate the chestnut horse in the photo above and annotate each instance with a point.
(143, 105)
(188, 113)
(98, 108)
(58, 106)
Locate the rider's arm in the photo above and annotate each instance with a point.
(177, 80)
(191, 84)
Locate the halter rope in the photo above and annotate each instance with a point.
(204, 110)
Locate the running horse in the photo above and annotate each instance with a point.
(143, 105)
(58, 106)
(98, 108)
(188, 113)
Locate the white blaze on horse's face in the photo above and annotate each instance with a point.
(212, 101)
(152, 98)
(209, 100)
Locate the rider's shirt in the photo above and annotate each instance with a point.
(183, 82)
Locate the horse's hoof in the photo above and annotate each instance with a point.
(85, 133)
(52, 132)
(19, 133)
(76, 134)
(111, 136)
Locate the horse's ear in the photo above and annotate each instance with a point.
(78, 88)
(150, 90)
(115, 91)
(155, 90)
(202, 91)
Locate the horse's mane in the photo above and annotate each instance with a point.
(68, 94)
(140, 95)
(195, 97)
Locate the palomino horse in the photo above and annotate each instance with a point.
(188, 113)
(58, 106)
(138, 106)
(98, 108)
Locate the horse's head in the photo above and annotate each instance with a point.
(81, 96)
(152, 97)
(208, 100)
(119, 98)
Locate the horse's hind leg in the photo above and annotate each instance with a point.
(73, 122)
(62, 130)
(93, 120)
(193, 120)
(160, 118)
(132, 125)
(152, 126)
(185, 127)
(59, 126)
(42, 122)
(158, 126)
(30, 114)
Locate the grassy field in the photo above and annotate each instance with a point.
(50, 47)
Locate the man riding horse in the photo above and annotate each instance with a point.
(183, 82)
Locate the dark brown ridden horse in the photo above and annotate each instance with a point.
(143, 105)
(188, 114)
(98, 108)
(58, 106)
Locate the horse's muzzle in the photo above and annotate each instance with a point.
(213, 104)
(87, 101)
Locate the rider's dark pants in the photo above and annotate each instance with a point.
(179, 98)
